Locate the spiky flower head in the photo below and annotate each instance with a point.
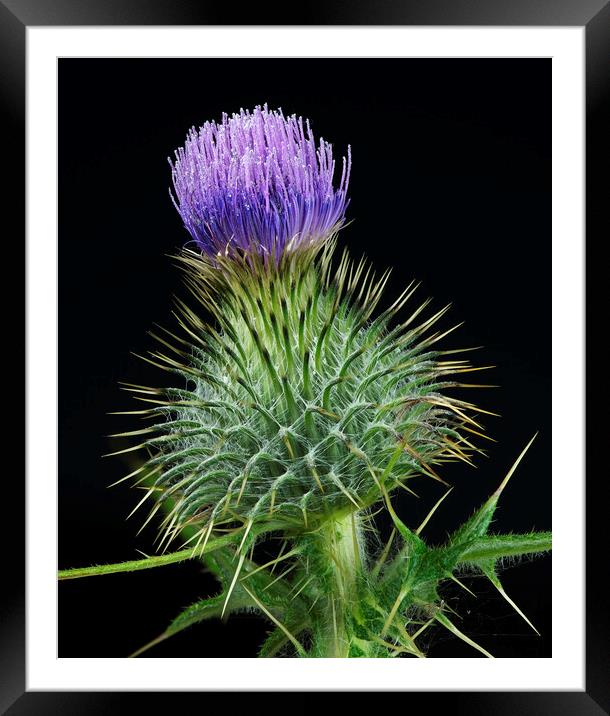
(298, 406)
(257, 182)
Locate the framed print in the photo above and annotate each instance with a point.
(328, 473)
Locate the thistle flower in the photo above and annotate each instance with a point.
(257, 182)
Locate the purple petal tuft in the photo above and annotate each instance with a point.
(258, 182)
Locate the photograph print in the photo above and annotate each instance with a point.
(305, 358)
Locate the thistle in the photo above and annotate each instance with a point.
(300, 411)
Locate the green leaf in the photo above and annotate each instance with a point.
(205, 609)
(275, 620)
(499, 546)
(148, 563)
(479, 523)
(277, 639)
(270, 597)
(488, 569)
(442, 619)
(272, 644)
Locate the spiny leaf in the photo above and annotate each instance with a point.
(511, 545)
(204, 609)
(442, 619)
(149, 563)
(479, 523)
(276, 640)
(279, 624)
(489, 571)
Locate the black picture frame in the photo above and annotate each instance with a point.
(594, 15)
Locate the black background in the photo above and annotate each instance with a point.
(451, 185)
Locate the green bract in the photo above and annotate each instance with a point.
(298, 407)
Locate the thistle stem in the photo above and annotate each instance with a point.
(336, 556)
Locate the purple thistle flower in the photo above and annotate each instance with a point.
(256, 181)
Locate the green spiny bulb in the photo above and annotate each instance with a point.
(298, 407)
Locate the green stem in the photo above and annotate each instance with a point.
(337, 550)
